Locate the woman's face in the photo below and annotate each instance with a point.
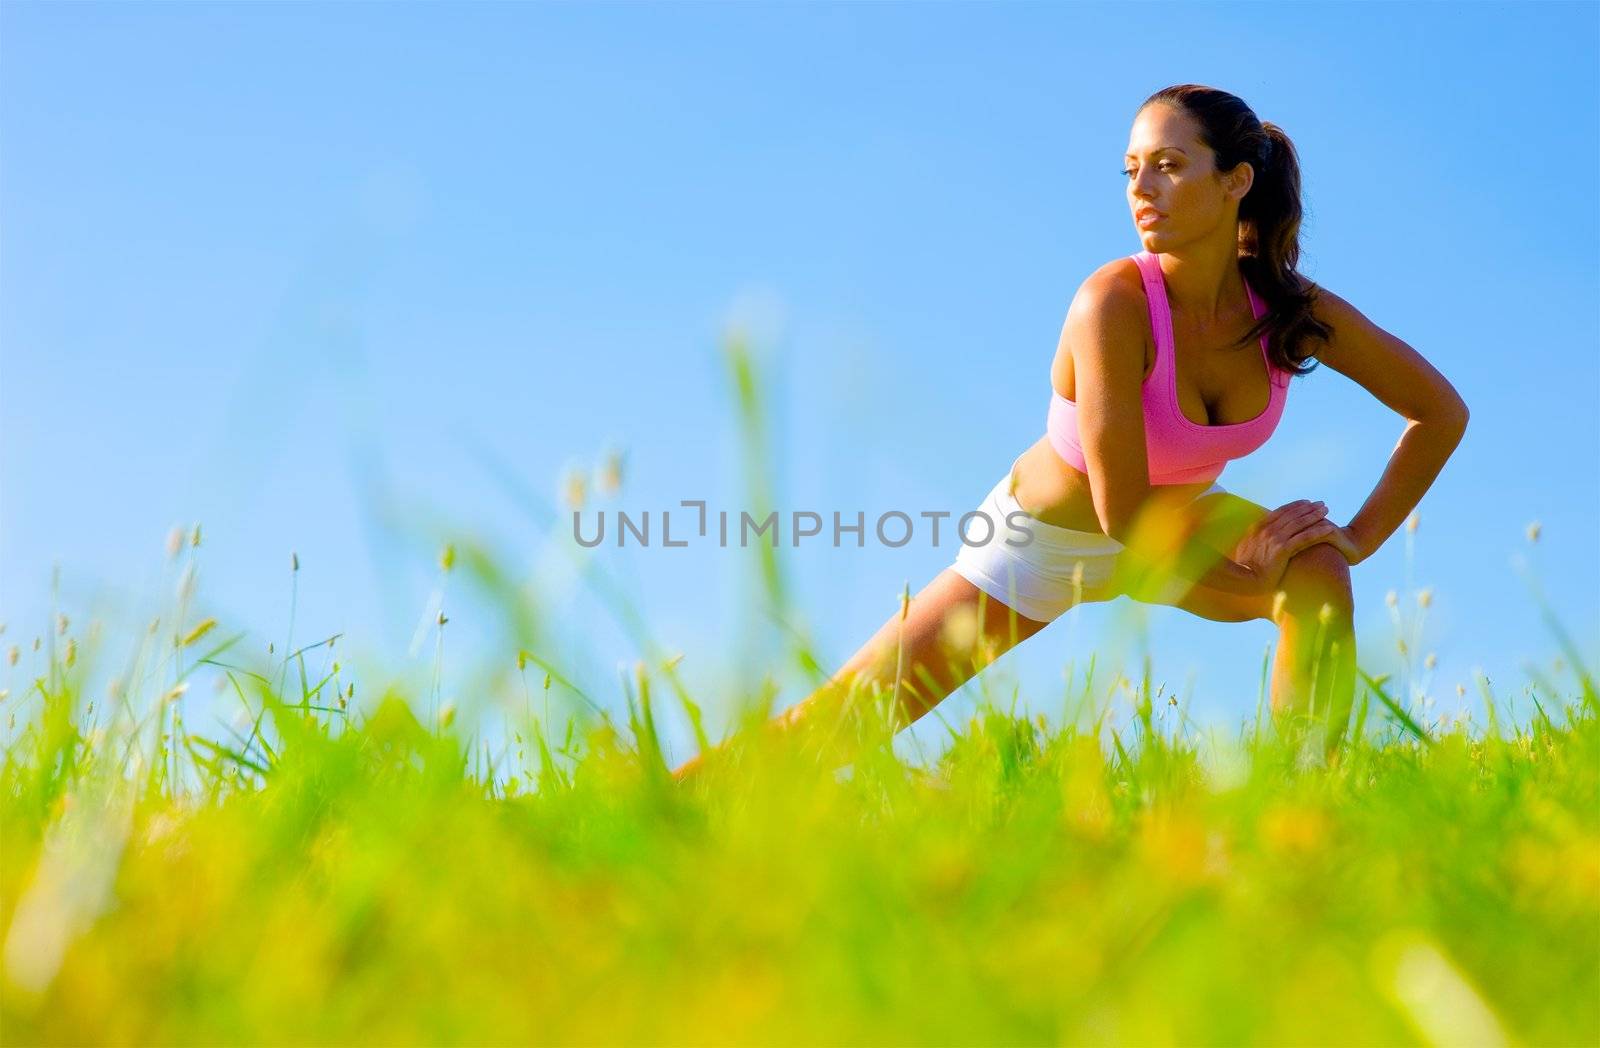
(1175, 193)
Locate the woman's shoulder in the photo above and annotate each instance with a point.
(1121, 272)
(1115, 289)
(1326, 306)
(1346, 326)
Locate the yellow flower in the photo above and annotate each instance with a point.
(574, 489)
(1289, 828)
(610, 480)
(1175, 844)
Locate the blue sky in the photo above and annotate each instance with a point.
(270, 267)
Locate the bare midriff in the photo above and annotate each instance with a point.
(1053, 492)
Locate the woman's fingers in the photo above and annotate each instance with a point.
(1292, 522)
(1289, 534)
(1309, 537)
(1284, 532)
(1291, 510)
(1287, 507)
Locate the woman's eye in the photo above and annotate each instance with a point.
(1165, 165)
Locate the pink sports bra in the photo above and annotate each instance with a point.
(1177, 450)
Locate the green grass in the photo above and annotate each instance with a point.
(1026, 889)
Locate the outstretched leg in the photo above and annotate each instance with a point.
(950, 632)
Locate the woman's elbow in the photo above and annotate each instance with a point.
(1446, 416)
(1119, 512)
(1117, 529)
(1452, 413)
(1119, 523)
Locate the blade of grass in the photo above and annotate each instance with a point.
(1400, 715)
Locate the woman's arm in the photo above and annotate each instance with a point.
(1435, 414)
(1104, 335)
(1104, 338)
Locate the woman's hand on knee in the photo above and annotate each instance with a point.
(1267, 548)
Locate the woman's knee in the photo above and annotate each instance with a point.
(1315, 576)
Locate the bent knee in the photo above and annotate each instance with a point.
(1318, 575)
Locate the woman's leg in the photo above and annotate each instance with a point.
(951, 631)
(1313, 672)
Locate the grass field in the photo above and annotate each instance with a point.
(357, 879)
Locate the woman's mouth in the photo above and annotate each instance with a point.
(1148, 218)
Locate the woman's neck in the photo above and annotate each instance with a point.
(1203, 282)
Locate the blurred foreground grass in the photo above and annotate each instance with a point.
(361, 884)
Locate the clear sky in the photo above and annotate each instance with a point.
(286, 268)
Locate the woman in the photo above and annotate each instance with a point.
(1156, 385)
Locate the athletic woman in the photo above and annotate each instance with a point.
(1172, 362)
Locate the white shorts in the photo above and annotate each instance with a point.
(1036, 579)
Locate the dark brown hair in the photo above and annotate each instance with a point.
(1269, 217)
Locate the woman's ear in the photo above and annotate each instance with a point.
(1240, 179)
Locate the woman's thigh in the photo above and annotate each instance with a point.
(1226, 518)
